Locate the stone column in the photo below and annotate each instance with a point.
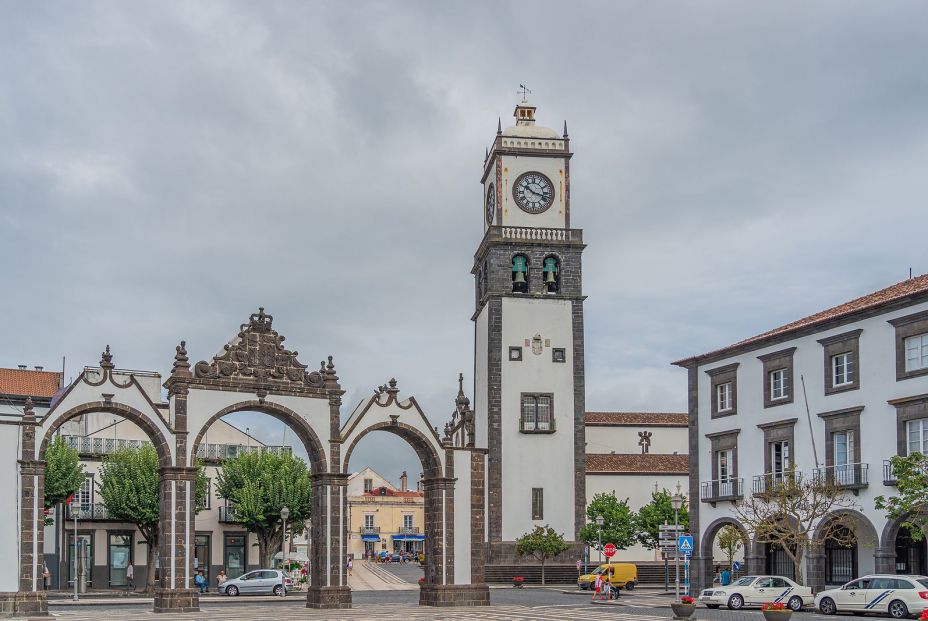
(815, 568)
(328, 580)
(175, 592)
(701, 572)
(885, 560)
(31, 598)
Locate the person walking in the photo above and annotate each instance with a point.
(350, 565)
(46, 575)
(130, 575)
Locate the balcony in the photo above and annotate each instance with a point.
(409, 530)
(721, 489)
(88, 513)
(772, 482)
(369, 530)
(889, 476)
(848, 476)
(532, 425)
(228, 515)
(98, 445)
(218, 452)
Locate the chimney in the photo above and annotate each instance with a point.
(38, 368)
(22, 367)
(404, 482)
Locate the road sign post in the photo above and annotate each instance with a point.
(684, 545)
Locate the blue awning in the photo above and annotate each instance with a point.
(408, 537)
(370, 537)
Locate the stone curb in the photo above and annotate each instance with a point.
(148, 601)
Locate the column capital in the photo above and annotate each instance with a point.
(32, 466)
(438, 482)
(337, 479)
(178, 473)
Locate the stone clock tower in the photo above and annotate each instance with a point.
(529, 369)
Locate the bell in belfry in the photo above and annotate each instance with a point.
(519, 277)
(550, 272)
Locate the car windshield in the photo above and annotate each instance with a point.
(744, 581)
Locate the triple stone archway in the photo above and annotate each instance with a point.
(255, 372)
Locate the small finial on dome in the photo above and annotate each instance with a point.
(565, 129)
(499, 126)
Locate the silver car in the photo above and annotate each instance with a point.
(260, 581)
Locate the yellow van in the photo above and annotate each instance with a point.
(623, 576)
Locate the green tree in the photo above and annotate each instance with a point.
(730, 540)
(618, 522)
(64, 473)
(258, 485)
(130, 488)
(656, 513)
(910, 502)
(543, 543)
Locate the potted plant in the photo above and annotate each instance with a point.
(776, 611)
(685, 608)
(518, 581)
(421, 581)
(924, 615)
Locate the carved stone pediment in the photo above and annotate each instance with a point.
(258, 354)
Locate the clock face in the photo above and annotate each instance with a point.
(491, 204)
(533, 192)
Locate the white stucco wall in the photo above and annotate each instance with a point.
(624, 439)
(537, 460)
(481, 357)
(877, 440)
(462, 517)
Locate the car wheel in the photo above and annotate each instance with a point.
(898, 610)
(712, 606)
(232, 590)
(827, 606)
(278, 590)
(629, 586)
(735, 602)
(795, 603)
(584, 586)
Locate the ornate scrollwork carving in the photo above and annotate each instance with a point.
(258, 354)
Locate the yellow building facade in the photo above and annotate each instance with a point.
(382, 517)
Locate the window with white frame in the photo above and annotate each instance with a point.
(723, 395)
(779, 458)
(407, 520)
(85, 493)
(917, 436)
(842, 369)
(778, 384)
(844, 456)
(536, 413)
(368, 520)
(725, 460)
(916, 352)
(368, 485)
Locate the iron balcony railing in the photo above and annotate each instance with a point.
(721, 489)
(228, 514)
(772, 481)
(889, 475)
(100, 445)
(369, 530)
(533, 425)
(90, 512)
(845, 475)
(409, 530)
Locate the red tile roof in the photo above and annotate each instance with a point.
(26, 382)
(640, 463)
(913, 287)
(657, 419)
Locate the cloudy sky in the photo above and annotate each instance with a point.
(167, 167)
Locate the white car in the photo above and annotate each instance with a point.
(757, 590)
(900, 596)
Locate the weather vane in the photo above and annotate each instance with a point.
(525, 91)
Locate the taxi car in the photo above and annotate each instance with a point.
(623, 576)
(898, 596)
(757, 590)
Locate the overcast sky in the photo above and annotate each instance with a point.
(167, 167)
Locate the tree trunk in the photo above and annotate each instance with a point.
(269, 543)
(542, 571)
(152, 541)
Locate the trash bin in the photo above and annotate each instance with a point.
(726, 577)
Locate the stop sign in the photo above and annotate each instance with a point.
(609, 550)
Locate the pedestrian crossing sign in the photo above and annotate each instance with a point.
(685, 543)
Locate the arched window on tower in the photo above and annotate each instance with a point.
(519, 274)
(552, 274)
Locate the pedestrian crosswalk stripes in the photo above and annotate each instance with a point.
(370, 611)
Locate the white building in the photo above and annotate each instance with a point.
(633, 454)
(863, 369)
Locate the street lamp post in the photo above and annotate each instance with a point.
(284, 514)
(676, 501)
(599, 536)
